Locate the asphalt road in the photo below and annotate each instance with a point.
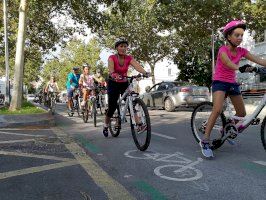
(113, 168)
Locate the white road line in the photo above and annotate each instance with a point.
(21, 154)
(164, 136)
(16, 141)
(154, 133)
(20, 134)
(260, 162)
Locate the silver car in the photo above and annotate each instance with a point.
(169, 95)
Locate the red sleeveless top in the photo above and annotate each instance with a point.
(121, 69)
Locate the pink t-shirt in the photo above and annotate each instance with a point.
(121, 69)
(224, 73)
(88, 81)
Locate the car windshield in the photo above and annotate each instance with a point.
(181, 83)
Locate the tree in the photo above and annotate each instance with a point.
(193, 22)
(19, 62)
(41, 34)
(136, 22)
(76, 53)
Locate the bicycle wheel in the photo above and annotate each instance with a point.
(53, 106)
(141, 132)
(77, 107)
(115, 124)
(85, 113)
(94, 112)
(199, 121)
(263, 133)
(70, 114)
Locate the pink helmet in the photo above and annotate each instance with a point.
(233, 25)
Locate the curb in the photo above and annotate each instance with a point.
(42, 119)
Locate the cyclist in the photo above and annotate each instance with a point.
(224, 78)
(118, 67)
(87, 83)
(100, 85)
(98, 78)
(51, 87)
(71, 85)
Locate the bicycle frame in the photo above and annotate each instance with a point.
(128, 104)
(245, 121)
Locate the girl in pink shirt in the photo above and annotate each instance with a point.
(118, 67)
(224, 78)
(87, 83)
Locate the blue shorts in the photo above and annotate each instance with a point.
(229, 88)
(70, 92)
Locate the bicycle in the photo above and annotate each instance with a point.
(52, 101)
(138, 113)
(101, 99)
(75, 103)
(89, 108)
(227, 127)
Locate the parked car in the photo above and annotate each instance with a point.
(30, 97)
(169, 95)
(63, 97)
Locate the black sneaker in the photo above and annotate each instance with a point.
(105, 131)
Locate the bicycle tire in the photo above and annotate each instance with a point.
(263, 133)
(94, 112)
(85, 114)
(198, 131)
(142, 146)
(53, 107)
(114, 120)
(77, 108)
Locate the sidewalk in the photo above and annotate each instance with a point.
(20, 120)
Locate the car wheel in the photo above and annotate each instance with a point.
(169, 105)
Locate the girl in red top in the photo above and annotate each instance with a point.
(118, 67)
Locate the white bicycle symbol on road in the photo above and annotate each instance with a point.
(181, 169)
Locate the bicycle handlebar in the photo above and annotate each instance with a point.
(258, 70)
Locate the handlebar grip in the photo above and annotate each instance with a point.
(243, 68)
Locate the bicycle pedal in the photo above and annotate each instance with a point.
(230, 141)
(233, 136)
(255, 121)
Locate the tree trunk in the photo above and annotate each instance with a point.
(19, 61)
(152, 66)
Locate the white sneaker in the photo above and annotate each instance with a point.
(83, 103)
(205, 149)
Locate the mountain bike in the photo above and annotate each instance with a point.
(101, 99)
(52, 101)
(129, 104)
(89, 109)
(227, 126)
(75, 103)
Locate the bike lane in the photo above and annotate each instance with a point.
(39, 164)
(172, 168)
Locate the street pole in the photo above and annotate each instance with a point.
(213, 62)
(7, 95)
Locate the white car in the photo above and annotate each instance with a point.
(172, 94)
(63, 97)
(30, 97)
